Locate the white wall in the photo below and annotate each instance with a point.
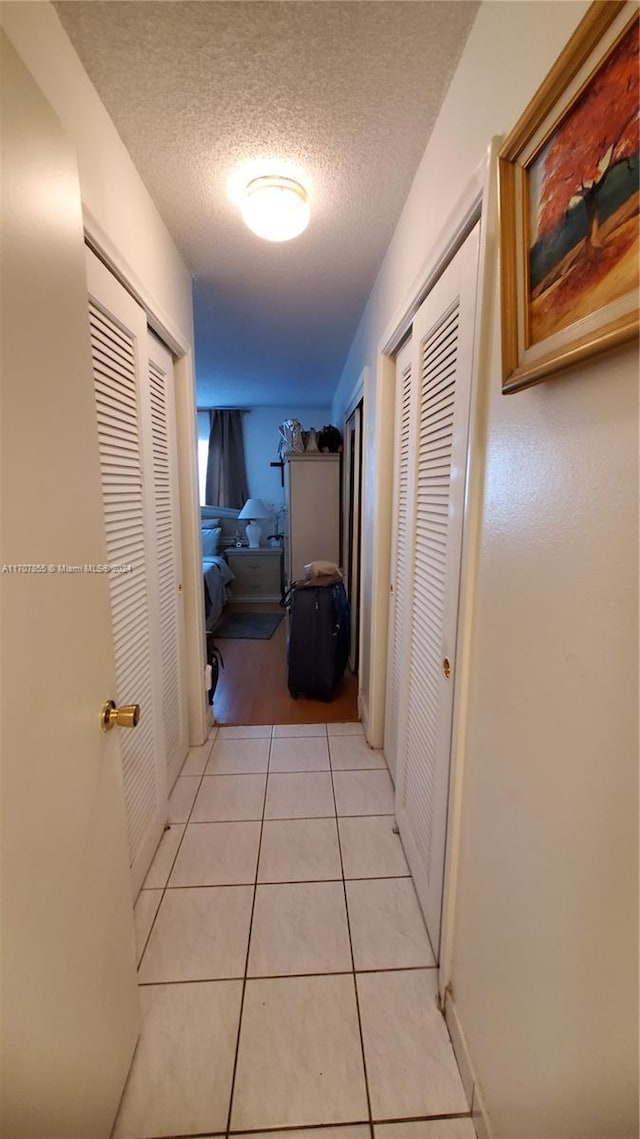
(545, 965)
(112, 190)
(545, 958)
(261, 436)
(494, 81)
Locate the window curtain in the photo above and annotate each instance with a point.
(226, 483)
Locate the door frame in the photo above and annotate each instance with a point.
(198, 710)
(477, 203)
(351, 521)
(360, 393)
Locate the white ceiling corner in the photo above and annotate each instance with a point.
(345, 90)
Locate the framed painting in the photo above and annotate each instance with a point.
(569, 199)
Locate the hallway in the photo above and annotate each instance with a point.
(286, 977)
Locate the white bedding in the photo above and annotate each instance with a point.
(217, 576)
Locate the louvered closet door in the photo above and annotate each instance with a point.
(120, 366)
(167, 554)
(398, 629)
(442, 359)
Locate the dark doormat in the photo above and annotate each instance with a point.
(248, 626)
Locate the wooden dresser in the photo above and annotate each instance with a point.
(257, 573)
(312, 493)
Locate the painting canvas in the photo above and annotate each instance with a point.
(584, 198)
(570, 204)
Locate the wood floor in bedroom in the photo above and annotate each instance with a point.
(252, 686)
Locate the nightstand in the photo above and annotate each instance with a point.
(257, 573)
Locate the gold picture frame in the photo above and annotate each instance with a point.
(568, 193)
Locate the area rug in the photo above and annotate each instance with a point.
(248, 626)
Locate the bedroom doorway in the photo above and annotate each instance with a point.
(244, 586)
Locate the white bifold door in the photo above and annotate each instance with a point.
(133, 380)
(168, 555)
(433, 388)
(400, 548)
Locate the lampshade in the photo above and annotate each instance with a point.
(255, 508)
(275, 207)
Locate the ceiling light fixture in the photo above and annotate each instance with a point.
(275, 207)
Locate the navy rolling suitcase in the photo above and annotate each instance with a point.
(319, 631)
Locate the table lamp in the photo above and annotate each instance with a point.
(253, 509)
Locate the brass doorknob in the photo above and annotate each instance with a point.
(128, 716)
(446, 668)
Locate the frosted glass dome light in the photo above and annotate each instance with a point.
(275, 208)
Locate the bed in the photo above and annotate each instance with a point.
(219, 525)
(217, 576)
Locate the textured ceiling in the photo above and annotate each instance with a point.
(344, 91)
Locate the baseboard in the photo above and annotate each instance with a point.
(363, 712)
(479, 1116)
(469, 1081)
(460, 1048)
(173, 771)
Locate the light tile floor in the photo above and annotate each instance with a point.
(287, 980)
